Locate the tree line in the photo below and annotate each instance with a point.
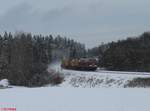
(24, 57)
(132, 54)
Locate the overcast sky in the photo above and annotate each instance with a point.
(88, 21)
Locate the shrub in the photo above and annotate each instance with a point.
(139, 82)
(45, 78)
(56, 77)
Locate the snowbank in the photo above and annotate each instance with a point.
(99, 79)
(4, 83)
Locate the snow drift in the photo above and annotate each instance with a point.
(4, 83)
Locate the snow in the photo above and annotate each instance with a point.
(76, 99)
(4, 83)
(87, 97)
(97, 79)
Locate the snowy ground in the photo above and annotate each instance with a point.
(84, 98)
(97, 79)
(75, 99)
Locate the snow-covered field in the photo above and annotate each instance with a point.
(97, 79)
(66, 97)
(75, 99)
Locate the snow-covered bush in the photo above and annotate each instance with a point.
(4, 83)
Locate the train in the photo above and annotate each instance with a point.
(82, 64)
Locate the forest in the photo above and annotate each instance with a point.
(132, 54)
(24, 58)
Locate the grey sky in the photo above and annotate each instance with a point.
(88, 21)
